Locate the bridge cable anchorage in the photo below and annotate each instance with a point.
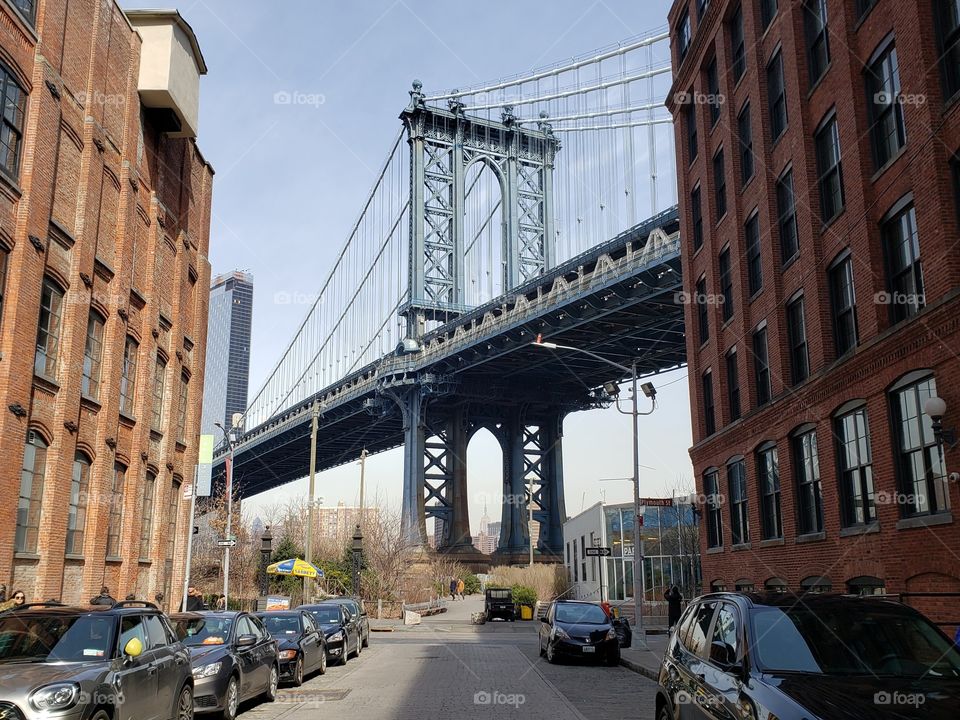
(622, 50)
(615, 126)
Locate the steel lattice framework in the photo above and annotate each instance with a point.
(478, 233)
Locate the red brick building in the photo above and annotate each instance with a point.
(104, 230)
(816, 153)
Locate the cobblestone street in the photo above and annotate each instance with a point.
(449, 668)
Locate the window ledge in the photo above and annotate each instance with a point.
(810, 537)
(789, 261)
(862, 18)
(145, 561)
(113, 559)
(824, 226)
(46, 383)
(89, 403)
(740, 547)
(73, 556)
(853, 530)
(727, 322)
(755, 295)
(776, 141)
(715, 550)
(922, 521)
(886, 166)
(745, 185)
(10, 187)
(772, 542)
(128, 420)
(25, 556)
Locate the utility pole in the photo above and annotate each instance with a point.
(228, 436)
(363, 467)
(193, 512)
(314, 417)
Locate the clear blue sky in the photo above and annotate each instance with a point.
(290, 178)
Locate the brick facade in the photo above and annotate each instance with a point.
(116, 215)
(907, 553)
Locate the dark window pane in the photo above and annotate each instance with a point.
(887, 131)
(703, 315)
(754, 264)
(797, 335)
(737, 482)
(690, 118)
(904, 273)
(829, 175)
(709, 421)
(817, 36)
(922, 475)
(787, 217)
(14, 100)
(843, 307)
(733, 385)
(713, 89)
(683, 36)
(746, 145)
(697, 217)
(768, 9)
(719, 185)
(737, 45)
(768, 478)
(947, 24)
(776, 96)
(806, 463)
(761, 366)
(714, 515)
(726, 284)
(856, 470)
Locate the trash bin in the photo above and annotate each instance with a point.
(526, 612)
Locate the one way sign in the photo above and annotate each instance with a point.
(597, 552)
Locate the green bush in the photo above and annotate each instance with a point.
(523, 595)
(471, 584)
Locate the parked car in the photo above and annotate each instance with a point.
(300, 642)
(341, 631)
(498, 603)
(814, 656)
(106, 662)
(359, 614)
(578, 629)
(234, 659)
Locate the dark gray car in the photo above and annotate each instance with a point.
(234, 659)
(116, 662)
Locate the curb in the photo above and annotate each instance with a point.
(638, 668)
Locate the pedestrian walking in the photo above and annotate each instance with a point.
(104, 598)
(221, 602)
(460, 588)
(194, 600)
(453, 588)
(673, 598)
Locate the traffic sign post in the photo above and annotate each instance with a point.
(227, 543)
(598, 552)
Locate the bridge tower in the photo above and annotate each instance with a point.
(444, 144)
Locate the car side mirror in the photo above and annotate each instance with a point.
(246, 640)
(133, 648)
(545, 621)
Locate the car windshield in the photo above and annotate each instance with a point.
(78, 638)
(581, 614)
(851, 640)
(206, 630)
(282, 625)
(326, 615)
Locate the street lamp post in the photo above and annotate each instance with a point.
(314, 417)
(266, 549)
(357, 550)
(650, 392)
(228, 436)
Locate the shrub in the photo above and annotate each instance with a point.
(523, 595)
(471, 584)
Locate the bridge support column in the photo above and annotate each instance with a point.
(459, 537)
(413, 518)
(532, 473)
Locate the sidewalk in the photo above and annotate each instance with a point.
(646, 662)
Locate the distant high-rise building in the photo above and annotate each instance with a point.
(228, 349)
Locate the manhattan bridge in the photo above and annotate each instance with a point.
(538, 205)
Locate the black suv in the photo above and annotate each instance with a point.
(117, 662)
(807, 656)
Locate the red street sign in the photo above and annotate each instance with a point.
(656, 502)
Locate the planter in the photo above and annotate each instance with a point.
(526, 612)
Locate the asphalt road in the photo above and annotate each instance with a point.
(447, 668)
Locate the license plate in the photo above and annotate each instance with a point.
(589, 648)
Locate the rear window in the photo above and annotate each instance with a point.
(500, 594)
(849, 639)
(282, 625)
(80, 638)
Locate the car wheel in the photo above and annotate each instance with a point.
(185, 704)
(100, 715)
(613, 659)
(298, 672)
(322, 669)
(551, 654)
(366, 639)
(540, 645)
(271, 693)
(664, 713)
(231, 699)
(359, 647)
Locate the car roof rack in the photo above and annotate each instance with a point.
(45, 603)
(134, 603)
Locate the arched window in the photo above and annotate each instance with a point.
(866, 585)
(816, 584)
(718, 586)
(116, 510)
(92, 356)
(77, 515)
(146, 522)
(128, 376)
(48, 330)
(31, 493)
(744, 585)
(775, 584)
